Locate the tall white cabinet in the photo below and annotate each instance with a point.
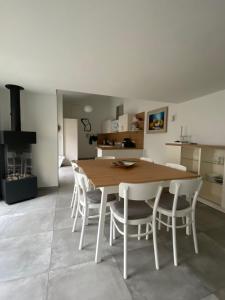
(70, 132)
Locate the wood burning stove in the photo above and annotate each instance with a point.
(17, 182)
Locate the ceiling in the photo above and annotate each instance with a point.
(165, 50)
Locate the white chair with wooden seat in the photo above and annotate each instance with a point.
(86, 200)
(180, 201)
(132, 209)
(146, 159)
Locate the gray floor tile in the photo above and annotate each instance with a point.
(62, 219)
(208, 218)
(168, 283)
(45, 202)
(24, 256)
(209, 264)
(65, 247)
(63, 201)
(218, 235)
(89, 281)
(26, 223)
(210, 297)
(34, 288)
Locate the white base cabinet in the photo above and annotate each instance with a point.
(120, 153)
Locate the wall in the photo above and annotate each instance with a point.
(203, 118)
(102, 110)
(60, 122)
(38, 113)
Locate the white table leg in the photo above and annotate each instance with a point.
(101, 225)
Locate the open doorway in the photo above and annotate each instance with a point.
(80, 118)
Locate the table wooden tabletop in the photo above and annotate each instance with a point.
(103, 173)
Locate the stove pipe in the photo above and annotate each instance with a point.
(15, 106)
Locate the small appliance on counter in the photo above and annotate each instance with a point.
(128, 143)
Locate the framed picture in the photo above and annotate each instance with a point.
(157, 120)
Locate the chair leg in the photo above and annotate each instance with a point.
(159, 223)
(194, 233)
(74, 204)
(72, 200)
(125, 252)
(168, 223)
(83, 226)
(155, 245)
(111, 230)
(147, 230)
(76, 216)
(174, 240)
(114, 231)
(187, 225)
(86, 219)
(139, 232)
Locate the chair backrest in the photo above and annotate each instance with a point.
(105, 157)
(139, 192)
(82, 184)
(74, 166)
(176, 166)
(146, 159)
(188, 187)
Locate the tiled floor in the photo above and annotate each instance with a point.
(39, 256)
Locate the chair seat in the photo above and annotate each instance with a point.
(94, 197)
(136, 209)
(166, 201)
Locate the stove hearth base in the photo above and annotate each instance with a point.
(14, 191)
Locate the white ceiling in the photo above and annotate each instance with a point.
(166, 50)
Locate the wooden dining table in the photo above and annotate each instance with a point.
(104, 175)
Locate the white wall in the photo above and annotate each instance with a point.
(203, 118)
(38, 113)
(102, 109)
(4, 110)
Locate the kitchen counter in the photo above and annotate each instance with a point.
(109, 147)
(118, 152)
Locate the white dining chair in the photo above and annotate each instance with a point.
(132, 209)
(86, 201)
(179, 202)
(166, 187)
(75, 190)
(146, 159)
(176, 166)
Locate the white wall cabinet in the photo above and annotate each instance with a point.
(125, 122)
(208, 162)
(107, 126)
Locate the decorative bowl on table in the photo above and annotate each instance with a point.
(124, 163)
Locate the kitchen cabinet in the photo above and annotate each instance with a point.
(125, 122)
(107, 126)
(119, 152)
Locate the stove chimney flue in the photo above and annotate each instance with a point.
(15, 106)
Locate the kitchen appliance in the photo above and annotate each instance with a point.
(128, 143)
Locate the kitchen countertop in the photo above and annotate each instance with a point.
(109, 147)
